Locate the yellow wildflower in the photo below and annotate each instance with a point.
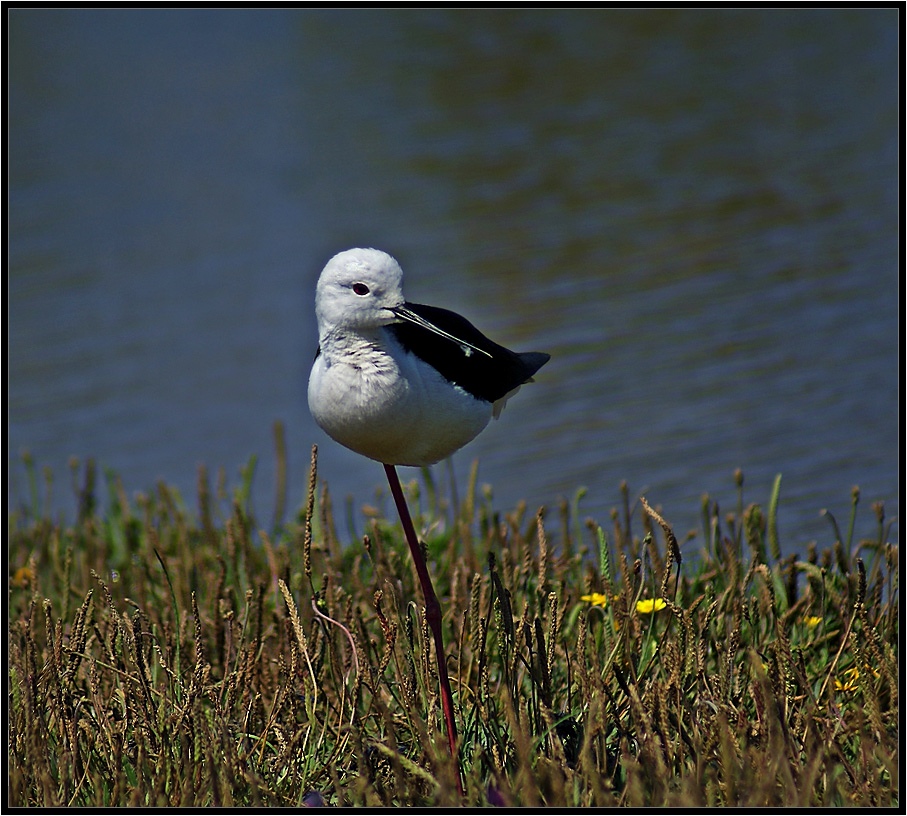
(648, 606)
(596, 599)
(811, 621)
(850, 683)
(23, 576)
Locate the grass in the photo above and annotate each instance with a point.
(159, 657)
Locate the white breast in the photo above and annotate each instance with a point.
(384, 403)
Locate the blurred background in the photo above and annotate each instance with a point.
(694, 212)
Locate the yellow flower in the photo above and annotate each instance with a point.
(596, 599)
(648, 606)
(23, 577)
(850, 684)
(811, 621)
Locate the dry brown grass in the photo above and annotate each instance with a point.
(159, 659)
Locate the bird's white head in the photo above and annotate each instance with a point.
(357, 291)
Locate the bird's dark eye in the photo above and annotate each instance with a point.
(360, 289)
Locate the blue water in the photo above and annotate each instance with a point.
(694, 212)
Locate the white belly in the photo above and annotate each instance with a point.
(392, 407)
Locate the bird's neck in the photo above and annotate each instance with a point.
(337, 343)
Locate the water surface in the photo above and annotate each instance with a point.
(694, 212)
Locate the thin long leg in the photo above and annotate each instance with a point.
(432, 612)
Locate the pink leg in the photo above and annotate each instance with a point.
(432, 611)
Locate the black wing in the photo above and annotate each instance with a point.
(486, 376)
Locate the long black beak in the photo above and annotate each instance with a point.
(406, 314)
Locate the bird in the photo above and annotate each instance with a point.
(398, 382)
(405, 384)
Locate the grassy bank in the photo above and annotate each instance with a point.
(167, 656)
